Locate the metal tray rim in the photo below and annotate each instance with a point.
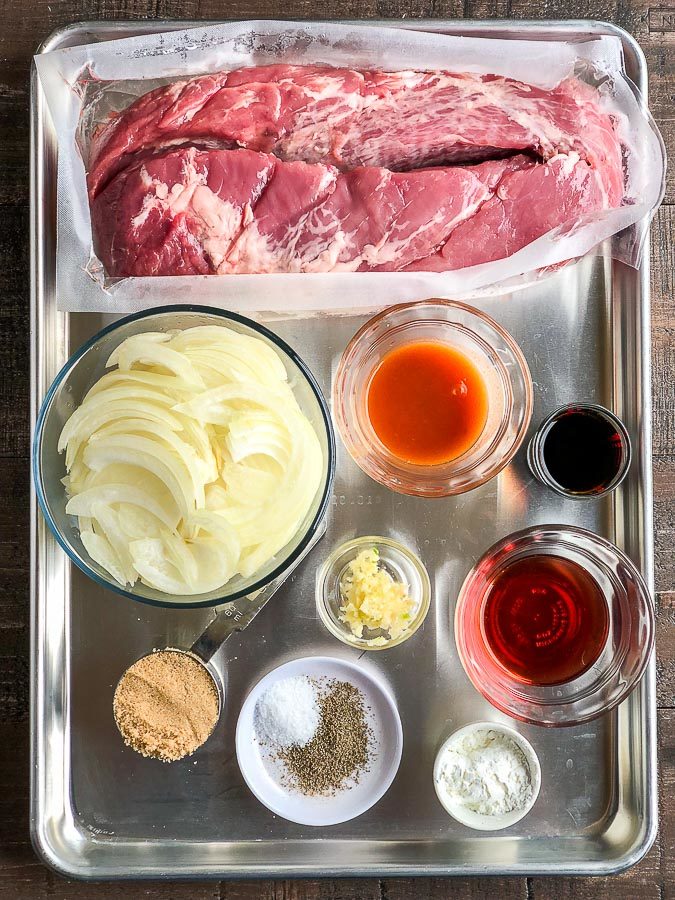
(42, 841)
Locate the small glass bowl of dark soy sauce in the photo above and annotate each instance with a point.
(580, 450)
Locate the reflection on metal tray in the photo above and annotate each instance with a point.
(100, 811)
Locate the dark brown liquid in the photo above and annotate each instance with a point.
(583, 451)
(545, 619)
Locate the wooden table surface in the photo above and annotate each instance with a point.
(23, 25)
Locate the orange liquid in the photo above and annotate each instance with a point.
(427, 403)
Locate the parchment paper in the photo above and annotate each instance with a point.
(72, 81)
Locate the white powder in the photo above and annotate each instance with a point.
(486, 771)
(288, 713)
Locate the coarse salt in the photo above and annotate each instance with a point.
(288, 713)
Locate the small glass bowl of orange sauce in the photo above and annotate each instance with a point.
(432, 398)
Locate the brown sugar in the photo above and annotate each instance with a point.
(166, 705)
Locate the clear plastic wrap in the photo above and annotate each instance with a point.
(84, 84)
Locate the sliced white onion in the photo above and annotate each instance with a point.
(111, 494)
(191, 462)
(165, 386)
(134, 450)
(101, 552)
(152, 564)
(151, 350)
(106, 522)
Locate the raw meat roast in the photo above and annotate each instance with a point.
(314, 169)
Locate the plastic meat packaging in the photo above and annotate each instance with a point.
(83, 85)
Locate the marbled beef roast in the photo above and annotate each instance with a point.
(316, 169)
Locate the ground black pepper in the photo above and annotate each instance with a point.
(339, 752)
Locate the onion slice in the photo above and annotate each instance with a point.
(191, 461)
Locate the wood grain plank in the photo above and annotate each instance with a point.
(14, 762)
(14, 625)
(665, 650)
(455, 888)
(14, 332)
(14, 128)
(663, 364)
(384, 889)
(14, 537)
(341, 889)
(667, 801)
(23, 27)
(659, 50)
(663, 298)
(31, 881)
(642, 881)
(664, 523)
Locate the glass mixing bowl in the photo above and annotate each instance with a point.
(622, 659)
(496, 356)
(87, 365)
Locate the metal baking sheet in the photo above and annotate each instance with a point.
(100, 811)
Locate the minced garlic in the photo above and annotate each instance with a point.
(372, 599)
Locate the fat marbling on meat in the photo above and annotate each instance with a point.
(306, 168)
(194, 212)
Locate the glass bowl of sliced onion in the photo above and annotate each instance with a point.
(184, 456)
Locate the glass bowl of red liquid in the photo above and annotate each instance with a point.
(432, 398)
(554, 625)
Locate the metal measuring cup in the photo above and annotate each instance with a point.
(233, 617)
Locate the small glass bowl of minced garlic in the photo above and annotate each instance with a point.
(372, 593)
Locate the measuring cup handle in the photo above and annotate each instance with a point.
(238, 614)
(234, 617)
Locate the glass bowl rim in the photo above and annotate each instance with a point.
(278, 343)
(644, 590)
(418, 472)
(339, 630)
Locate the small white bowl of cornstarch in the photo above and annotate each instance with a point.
(487, 776)
(319, 740)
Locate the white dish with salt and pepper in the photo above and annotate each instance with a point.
(263, 772)
(482, 779)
